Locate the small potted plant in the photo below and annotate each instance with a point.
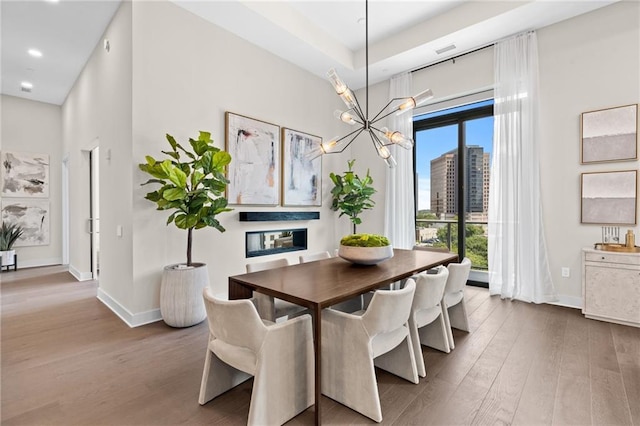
(192, 188)
(9, 234)
(352, 195)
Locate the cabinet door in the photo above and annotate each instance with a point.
(612, 293)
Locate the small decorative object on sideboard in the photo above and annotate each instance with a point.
(365, 249)
(629, 245)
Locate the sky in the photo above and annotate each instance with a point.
(432, 143)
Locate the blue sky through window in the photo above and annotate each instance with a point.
(433, 143)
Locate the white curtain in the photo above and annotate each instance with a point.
(399, 222)
(518, 266)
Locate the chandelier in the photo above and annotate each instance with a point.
(381, 137)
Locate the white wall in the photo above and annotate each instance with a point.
(29, 126)
(98, 111)
(183, 81)
(581, 69)
(586, 63)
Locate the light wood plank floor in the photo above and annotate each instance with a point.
(67, 360)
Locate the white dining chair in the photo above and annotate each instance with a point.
(354, 344)
(314, 256)
(271, 308)
(454, 307)
(280, 358)
(426, 322)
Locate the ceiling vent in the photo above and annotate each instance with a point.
(445, 49)
(25, 89)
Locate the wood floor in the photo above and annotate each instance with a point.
(68, 360)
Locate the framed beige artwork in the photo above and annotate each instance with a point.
(609, 135)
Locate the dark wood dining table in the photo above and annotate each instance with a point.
(323, 283)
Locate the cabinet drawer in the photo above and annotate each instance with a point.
(628, 259)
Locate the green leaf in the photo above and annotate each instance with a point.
(150, 160)
(220, 160)
(181, 221)
(174, 194)
(153, 181)
(199, 146)
(171, 217)
(205, 136)
(173, 154)
(172, 141)
(191, 220)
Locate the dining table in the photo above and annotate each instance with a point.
(320, 284)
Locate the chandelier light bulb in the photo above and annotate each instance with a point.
(415, 101)
(348, 98)
(344, 116)
(397, 138)
(336, 81)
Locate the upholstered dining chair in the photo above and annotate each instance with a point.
(454, 307)
(314, 256)
(278, 356)
(352, 344)
(269, 307)
(426, 322)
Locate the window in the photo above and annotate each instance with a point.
(452, 165)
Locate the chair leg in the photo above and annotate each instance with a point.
(218, 377)
(458, 316)
(265, 306)
(447, 325)
(400, 361)
(417, 350)
(435, 335)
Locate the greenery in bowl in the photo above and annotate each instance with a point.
(9, 234)
(364, 240)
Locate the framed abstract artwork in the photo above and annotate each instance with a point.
(33, 216)
(254, 172)
(609, 198)
(301, 177)
(25, 174)
(610, 135)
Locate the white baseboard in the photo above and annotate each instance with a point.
(80, 276)
(568, 301)
(131, 319)
(35, 263)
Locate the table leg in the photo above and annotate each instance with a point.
(317, 335)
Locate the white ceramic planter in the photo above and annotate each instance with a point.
(181, 302)
(365, 255)
(8, 257)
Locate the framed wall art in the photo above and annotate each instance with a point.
(301, 177)
(32, 216)
(609, 198)
(610, 135)
(24, 174)
(254, 172)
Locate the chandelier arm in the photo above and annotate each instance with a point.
(358, 109)
(378, 118)
(360, 130)
(377, 139)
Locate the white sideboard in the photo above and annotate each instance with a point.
(611, 286)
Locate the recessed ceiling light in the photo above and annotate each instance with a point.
(35, 53)
(53, 1)
(26, 85)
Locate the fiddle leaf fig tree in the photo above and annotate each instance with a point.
(352, 194)
(192, 184)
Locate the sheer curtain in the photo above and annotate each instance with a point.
(399, 222)
(518, 266)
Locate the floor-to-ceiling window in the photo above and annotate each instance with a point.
(452, 165)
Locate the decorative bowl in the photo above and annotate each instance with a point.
(365, 255)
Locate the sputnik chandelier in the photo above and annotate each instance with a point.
(354, 115)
